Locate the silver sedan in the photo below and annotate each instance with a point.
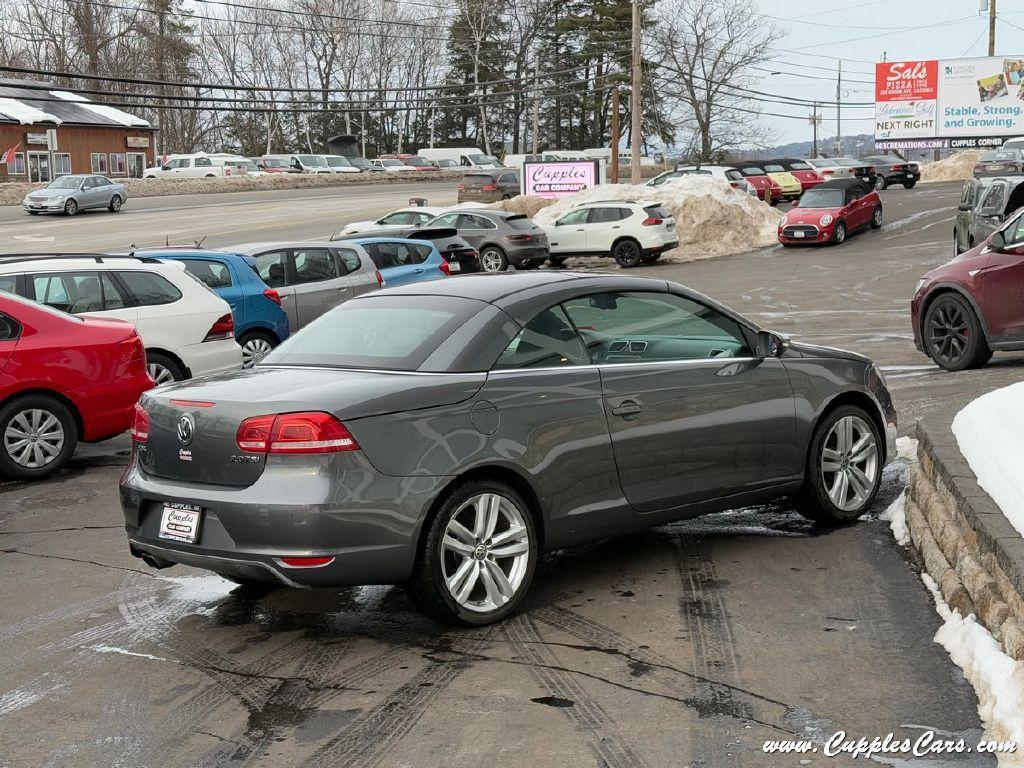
(76, 192)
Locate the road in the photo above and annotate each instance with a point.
(688, 645)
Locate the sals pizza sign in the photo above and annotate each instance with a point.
(906, 80)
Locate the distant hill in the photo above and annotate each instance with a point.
(856, 145)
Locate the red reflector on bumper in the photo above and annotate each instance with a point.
(305, 562)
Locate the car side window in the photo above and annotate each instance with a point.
(604, 215)
(313, 265)
(1014, 232)
(476, 222)
(50, 290)
(9, 328)
(9, 283)
(993, 200)
(203, 162)
(212, 274)
(270, 268)
(547, 341)
(447, 220)
(112, 296)
(574, 217)
(148, 288)
(403, 217)
(71, 292)
(388, 255)
(638, 326)
(349, 259)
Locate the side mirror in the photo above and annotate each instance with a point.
(997, 242)
(771, 344)
(796, 202)
(165, 167)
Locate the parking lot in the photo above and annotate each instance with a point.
(689, 645)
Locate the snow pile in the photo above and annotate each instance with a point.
(712, 218)
(896, 515)
(997, 679)
(526, 205)
(988, 432)
(956, 167)
(25, 114)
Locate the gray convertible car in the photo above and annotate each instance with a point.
(443, 434)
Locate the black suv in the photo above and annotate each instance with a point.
(892, 170)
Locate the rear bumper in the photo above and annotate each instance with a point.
(337, 505)
(210, 357)
(532, 253)
(107, 410)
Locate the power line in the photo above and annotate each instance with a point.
(886, 34)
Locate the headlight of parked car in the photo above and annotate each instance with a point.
(825, 220)
(920, 285)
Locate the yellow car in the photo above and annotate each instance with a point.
(791, 186)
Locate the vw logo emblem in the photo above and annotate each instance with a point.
(186, 428)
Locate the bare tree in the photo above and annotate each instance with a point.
(707, 48)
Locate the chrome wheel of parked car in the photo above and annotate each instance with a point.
(849, 463)
(70, 207)
(33, 438)
(254, 349)
(839, 233)
(493, 260)
(486, 552)
(876, 218)
(115, 204)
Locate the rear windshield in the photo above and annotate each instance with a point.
(774, 169)
(658, 211)
(395, 333)
(799, 166)
(519, 222)
(752, 170)
(999, 154)
(477, 179)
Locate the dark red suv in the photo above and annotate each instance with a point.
(971, 306)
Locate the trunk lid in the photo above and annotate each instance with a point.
(193, 425)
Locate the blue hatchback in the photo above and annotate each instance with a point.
(401, 261)
(260, 323)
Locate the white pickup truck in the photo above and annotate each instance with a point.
(197, 166)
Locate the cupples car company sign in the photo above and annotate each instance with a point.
(560, 178)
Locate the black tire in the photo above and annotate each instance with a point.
(909, 184)
(506, 197)
(70, 208)
(255, 344)
(115, 204)
(493, 255)
(627, 253)
(881, 183)
(157, 360)
(839, 233)
(876, 218)
(650, 258)
(529, 264)
(428, 588)
(556, 261)
(774, 202)
(813, 500)
(51, 463)
(952, 334)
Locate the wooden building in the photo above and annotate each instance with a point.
(59, 132)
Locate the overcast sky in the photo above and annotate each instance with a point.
(861, 32)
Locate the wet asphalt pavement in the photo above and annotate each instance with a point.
(688, 645)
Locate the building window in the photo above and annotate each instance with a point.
(61, 164)
(17, 168)
(99, 162)
(118, 164)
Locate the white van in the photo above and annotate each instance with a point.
(466, 157)
(305, 163)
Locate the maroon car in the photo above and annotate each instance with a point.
(971, 306)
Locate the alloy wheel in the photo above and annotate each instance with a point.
(115, 204)
(254, 350)
(34, 438)
(485, 552)
(876, 218)
(70, 207)
(490, 260)
(159, 373)
(849, 463)
(948, 332)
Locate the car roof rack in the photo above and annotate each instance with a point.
(99, 258)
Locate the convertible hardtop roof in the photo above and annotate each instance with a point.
(849, 183)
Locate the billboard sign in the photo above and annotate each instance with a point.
(559, 178)
(956, 103)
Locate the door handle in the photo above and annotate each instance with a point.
(628, 409)
(616, 227)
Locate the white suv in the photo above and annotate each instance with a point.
(187, 329)
(631, 233)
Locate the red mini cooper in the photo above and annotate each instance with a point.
(830, 212)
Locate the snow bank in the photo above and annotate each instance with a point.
(896, 515)
(712, 218)
(988, 432)
(997, 679)
(956, 167)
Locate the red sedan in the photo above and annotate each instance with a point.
(830, 212)
(971, 306)
(63, 378)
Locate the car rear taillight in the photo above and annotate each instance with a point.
(273, 295)
(380, 277)
(490, 187)
(897, 167)
(519, 238)
(140, 424)
(462, 187)
(224, 328)
(652, 221)
(446, 268)
(306, 562)
(303, 432)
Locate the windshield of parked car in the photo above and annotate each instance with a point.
(999, 154)
(274, 162)
(822, 198)
(391, 163)
(775, 169)
(384, 332)
(752, 171)
(335, 161)
(482, 160)
(312, 161)
(417, 161)
(799, 165)
(66, 182)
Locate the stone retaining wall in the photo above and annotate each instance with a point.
(965, 542)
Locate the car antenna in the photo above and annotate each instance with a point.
(200, 241)
(167, 241)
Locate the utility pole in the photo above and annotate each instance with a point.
(635, 101)
(991, 27)
(614, 171)
(536, 104)
(839, 108)
(815, 120)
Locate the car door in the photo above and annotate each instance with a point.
(1003, 283)
(475, 230)
(272, 267)
(318, 283)
(351, 259)
(990, 212)
(569, 233)
(604, 225)
(693, 414)
(99, 195)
